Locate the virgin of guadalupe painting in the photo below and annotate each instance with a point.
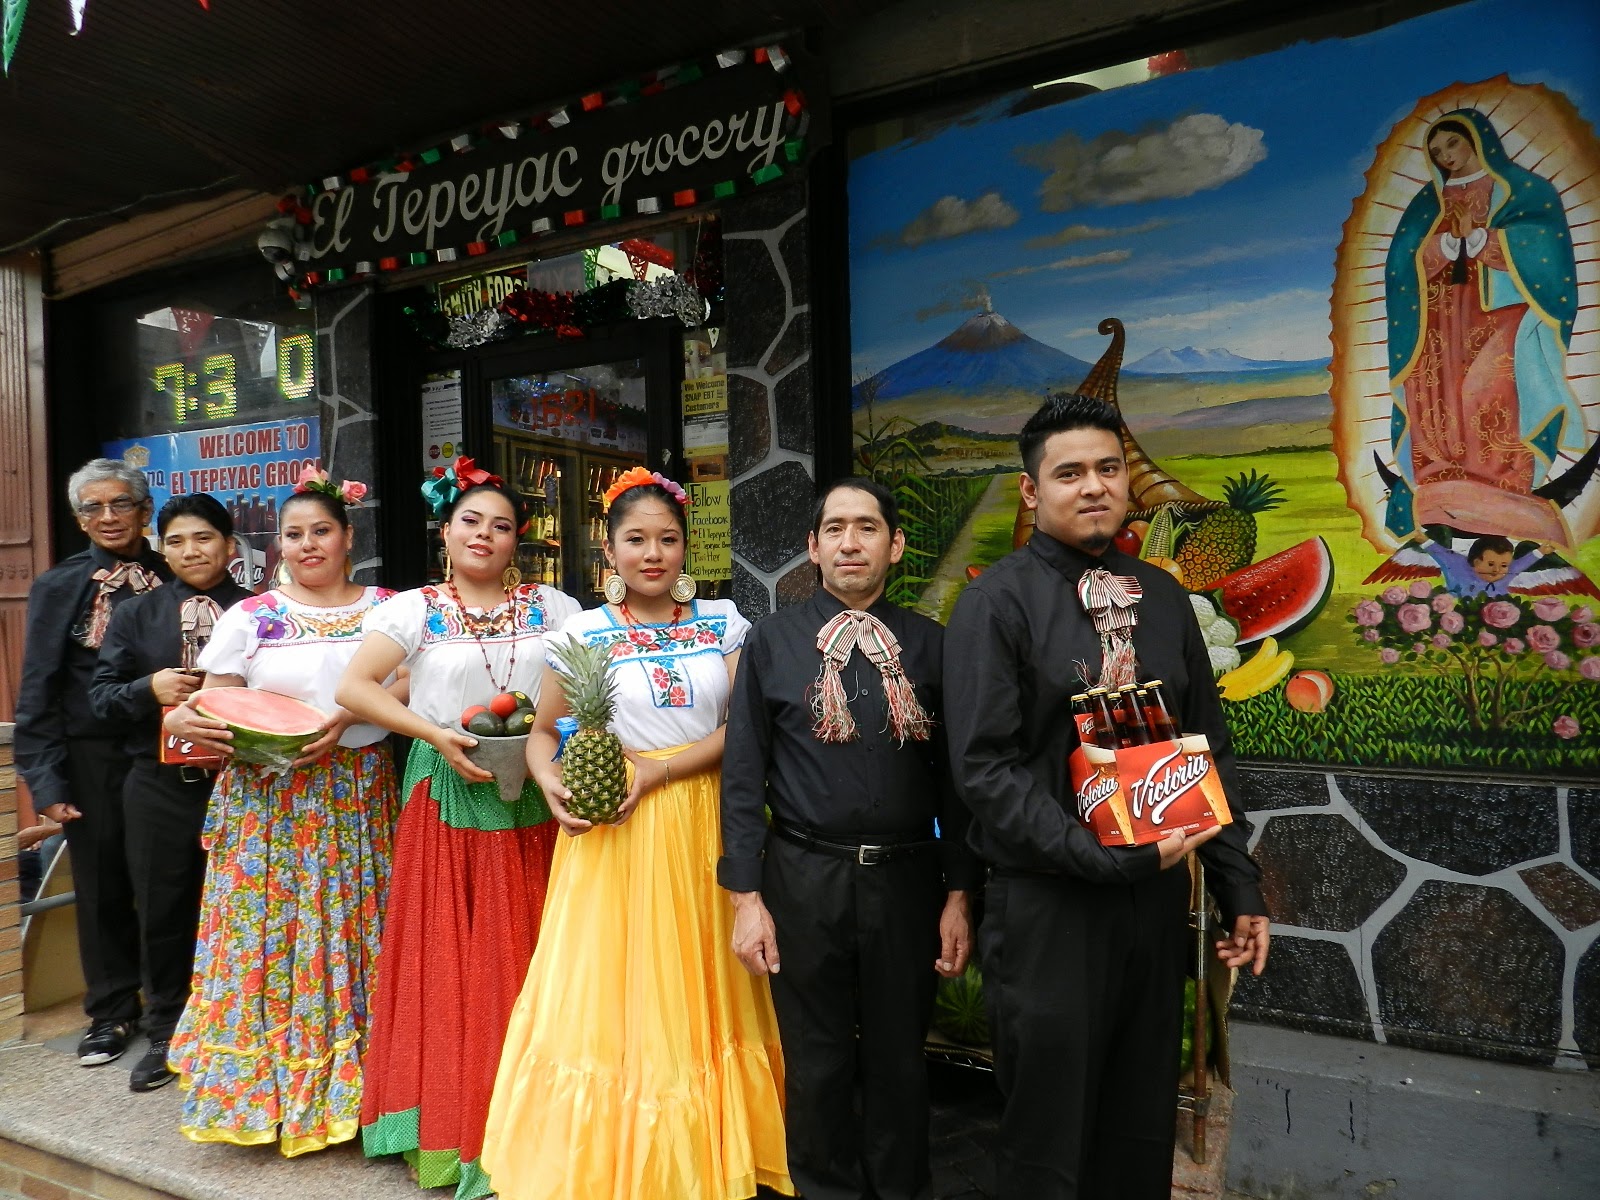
(1487, 443)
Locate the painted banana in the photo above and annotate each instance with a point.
(1263, 672)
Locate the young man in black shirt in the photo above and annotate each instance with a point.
(72, 761)
(834, 724)
(146, 661)
(1083, 946)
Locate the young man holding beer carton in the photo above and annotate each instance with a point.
(1083, 942)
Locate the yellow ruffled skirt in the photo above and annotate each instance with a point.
(642, 1061)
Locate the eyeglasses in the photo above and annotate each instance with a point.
(120, 507)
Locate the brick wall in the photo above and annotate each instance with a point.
(10, 898)
(35, 1173)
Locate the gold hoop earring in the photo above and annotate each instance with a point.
(616, 591)
(684, 588)
(511, 578)
(449, 570)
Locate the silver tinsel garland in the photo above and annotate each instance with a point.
(478, 329)
(673, 296)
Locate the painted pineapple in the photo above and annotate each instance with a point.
(592, 766)
(1225, 540)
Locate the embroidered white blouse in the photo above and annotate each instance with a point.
(297, 650)
(672, 680)
(451, 670)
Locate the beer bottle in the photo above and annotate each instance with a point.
(1102, 718)
(1156, 713)
(1133, 730)
(1081, 720)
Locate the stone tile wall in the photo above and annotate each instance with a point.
(43, 1176)
(1442, 914)
(771, 413)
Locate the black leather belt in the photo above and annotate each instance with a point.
(196, 774)
(863, 854)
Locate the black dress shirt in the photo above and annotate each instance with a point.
(145, 636)
(1010, 649)
(57, 669)
(872, 786)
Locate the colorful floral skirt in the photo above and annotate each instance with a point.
(469, 884)
(269, 1046)
(642, 1062)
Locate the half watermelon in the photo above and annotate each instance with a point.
(269, 730)
(1279, 595)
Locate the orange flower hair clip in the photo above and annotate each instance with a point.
(641, 477)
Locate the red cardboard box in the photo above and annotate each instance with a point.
(175, 751)
(1139, 795)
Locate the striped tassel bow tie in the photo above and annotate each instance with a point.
(1112, 602)
(829, 705)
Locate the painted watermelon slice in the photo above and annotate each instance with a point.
(1279, 595)
(269, 730)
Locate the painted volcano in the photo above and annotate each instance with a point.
(985, 353)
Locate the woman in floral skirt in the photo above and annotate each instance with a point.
(269, 1045)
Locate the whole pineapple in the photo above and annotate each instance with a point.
(592, 766)
(1225, 540)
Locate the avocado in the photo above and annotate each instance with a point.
(519, 722)
(486, 724)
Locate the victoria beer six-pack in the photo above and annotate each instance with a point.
(1135, 776)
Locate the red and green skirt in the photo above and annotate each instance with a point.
(465, 900)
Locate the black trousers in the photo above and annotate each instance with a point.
(857, 947)
(1084, 984)
(108, 929)
(165, 815)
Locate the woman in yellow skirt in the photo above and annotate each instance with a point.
(642, 1061)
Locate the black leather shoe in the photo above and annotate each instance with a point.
(150, 1072)
(105, 1042)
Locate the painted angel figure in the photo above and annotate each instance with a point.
(1490, 566)
(1481, 299)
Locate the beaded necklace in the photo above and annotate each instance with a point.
(627, 615)
(472, 624)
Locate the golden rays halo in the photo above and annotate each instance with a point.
(1542, 132)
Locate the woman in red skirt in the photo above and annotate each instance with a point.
(469, 869)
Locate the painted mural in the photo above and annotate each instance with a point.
(1347, 299)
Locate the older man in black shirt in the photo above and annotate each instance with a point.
(147, 661)
(833, 724)
(74, 762)
(1082, 945)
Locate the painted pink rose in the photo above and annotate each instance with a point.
(1414, 618)
(1393, 595)
(1487, 639)
(1441, 641)
(1548, 608)
(1557, 661)
(1502, 614)
(1565, 727)
(1444, 602)
(1452, 622)
(1543, 639)
(1586, 635)
(1390, 655)
(1370, 634)
(1420, 589)
(1369, 612)
(1589, 668)
(1582, 615)
(1515, 646)
(1420, 647)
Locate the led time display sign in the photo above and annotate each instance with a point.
(208, 389)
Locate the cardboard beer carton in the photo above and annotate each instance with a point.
(176, 751)
(1139, 795)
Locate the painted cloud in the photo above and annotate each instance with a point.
(1193, 154)
(951, 216)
